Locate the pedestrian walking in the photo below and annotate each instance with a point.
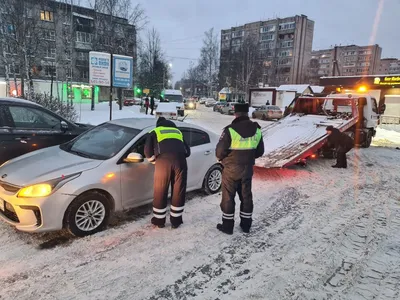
(342, 143)
(152, 104)
(166, 148)
(240, 144)
(267, 103)
(146, 104)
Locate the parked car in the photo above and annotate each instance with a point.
(79, 184)
(217, 106)
(210, 102)
(203, 100)
(267, 112)
(26, 126)
(228, 108)
(132, 101)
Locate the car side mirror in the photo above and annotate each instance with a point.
(64, 126)
(134, 158)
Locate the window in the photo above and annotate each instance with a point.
(101, 142)
(267, 37)
(84, 74)
(287, 44)
(194, 137)
(284, 61)
(31, 118)
(46, 15)
(50, 71)
(267, 45)
(350, 53)
(237, 33)
(50, 52)
(14, 69)
(286, 26)
(83, 56)
(268, 28)
(285, 53)
(83, 37)
(49, 35)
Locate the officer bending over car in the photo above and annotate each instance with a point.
(166, 148)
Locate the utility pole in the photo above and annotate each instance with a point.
(111, 84)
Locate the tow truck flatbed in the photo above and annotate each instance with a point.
(298, 136)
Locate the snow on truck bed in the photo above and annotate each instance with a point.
(293, 135)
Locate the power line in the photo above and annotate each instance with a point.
(177, 57)
(182, 40)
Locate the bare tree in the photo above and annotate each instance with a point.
(209, 60)
(245, 65)
(153, 69)
(311, 72)
(20, 37)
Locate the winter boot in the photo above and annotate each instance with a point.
(176, 221)
(226, 226)
(160, 223)
(245, 224)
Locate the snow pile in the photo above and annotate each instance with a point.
(387, 136)
(101, 113)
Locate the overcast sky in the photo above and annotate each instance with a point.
(181, 23)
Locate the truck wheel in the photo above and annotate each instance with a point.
(253, 116)
(368, 140)
(264, 118)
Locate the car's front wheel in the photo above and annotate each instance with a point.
(89, 213)
(213, 180)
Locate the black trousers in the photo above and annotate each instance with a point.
(341, 159)
(237, 180)
(147, 110)
(152, 108)
(170, 170)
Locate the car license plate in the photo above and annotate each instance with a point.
(2, 205)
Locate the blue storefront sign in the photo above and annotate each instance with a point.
(122, 71)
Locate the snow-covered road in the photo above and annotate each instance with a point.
(318, 234)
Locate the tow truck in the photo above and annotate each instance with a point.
(301, 135)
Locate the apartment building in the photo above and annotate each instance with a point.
(352, 60)
(284, 45)
(389, 66)
(64, 34)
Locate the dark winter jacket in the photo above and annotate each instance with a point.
(168, 147)
(341, 141)
(245, 128)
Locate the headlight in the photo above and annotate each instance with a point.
(190, 104)
(35, 191)
(46, 188)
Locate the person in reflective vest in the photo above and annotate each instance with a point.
(239, 145)
(166, 148)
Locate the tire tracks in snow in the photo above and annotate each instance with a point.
(228, 269)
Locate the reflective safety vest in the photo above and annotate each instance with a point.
(164, 133)
(240, 143)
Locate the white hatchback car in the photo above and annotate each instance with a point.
(79, 184)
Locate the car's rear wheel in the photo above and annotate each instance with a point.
(264, 118)
(253, 115)
(89, 213)
(213, 180)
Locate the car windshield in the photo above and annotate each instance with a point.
(174, 98)
(102, 142)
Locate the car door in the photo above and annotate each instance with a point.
(202, 154)
(137, 179)
(33, 128)
(6, 140)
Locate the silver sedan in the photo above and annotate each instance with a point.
(78, 185)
